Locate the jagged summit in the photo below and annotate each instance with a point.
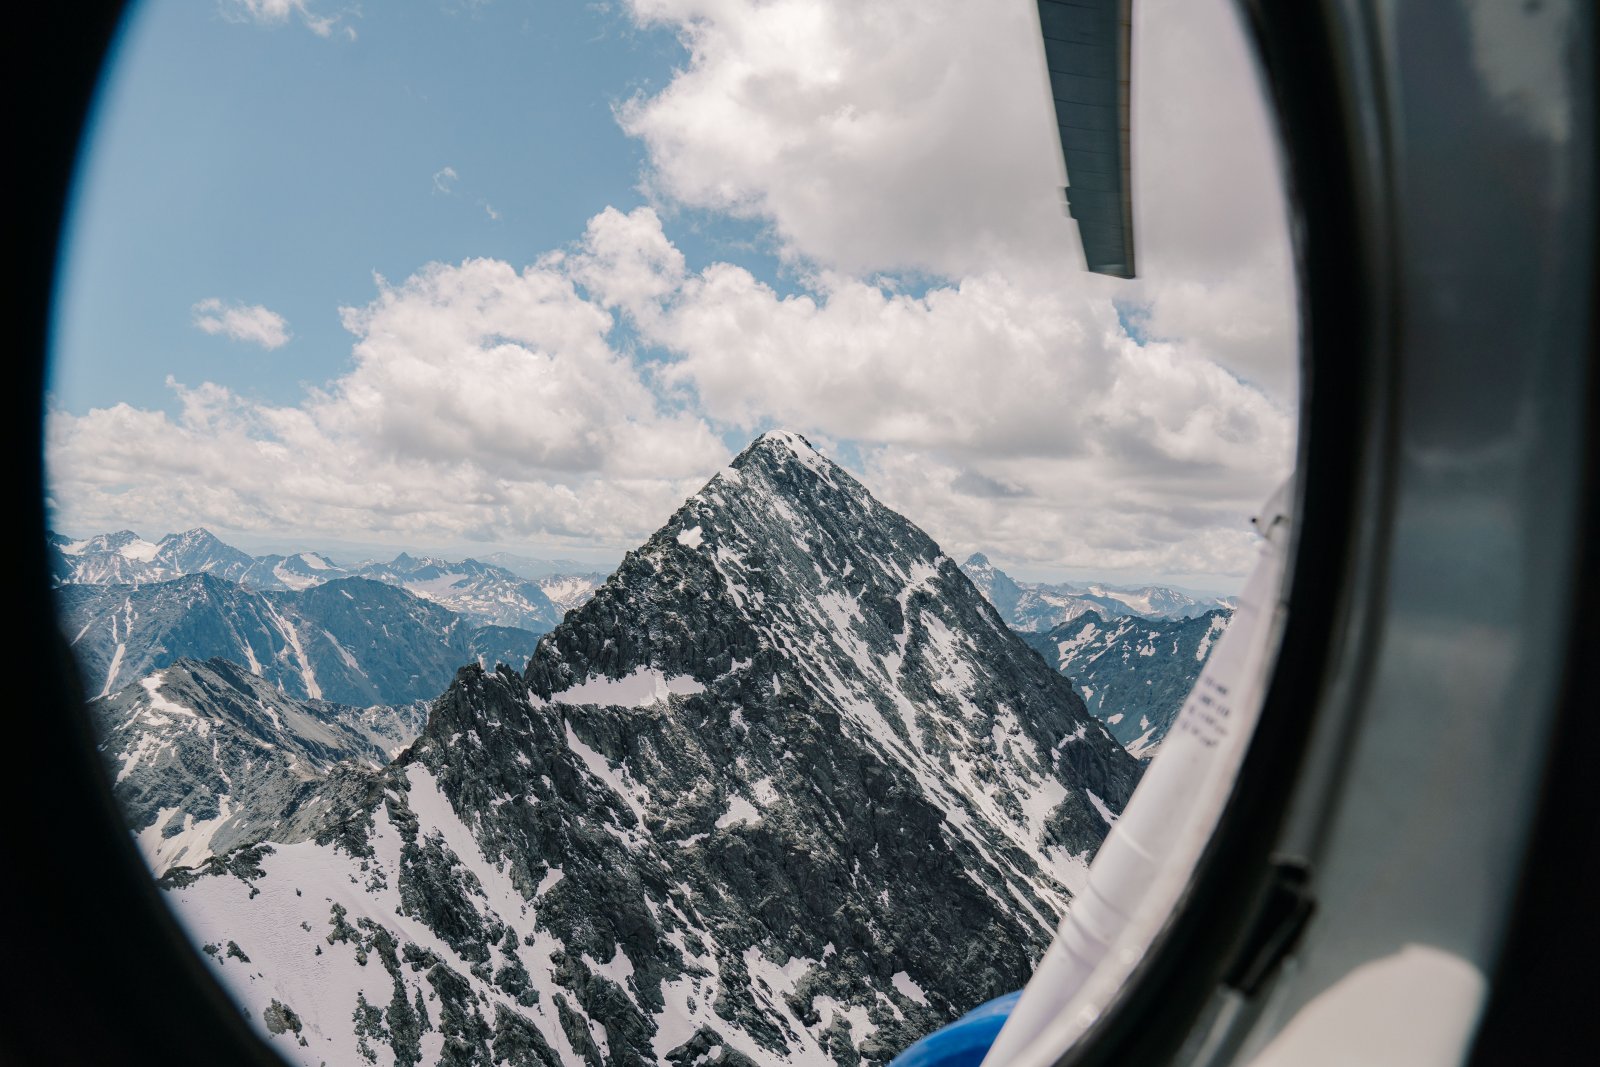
(776, 541)
(206, 756)
(785, 787)
(977, 559)
(783, 439)
(778, 450)
(194, 536)
(784, 573)
(113, 541)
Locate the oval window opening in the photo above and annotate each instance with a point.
(649, 534)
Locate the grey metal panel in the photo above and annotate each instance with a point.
(1427, 767)
(1087, 55)
(1461, 663)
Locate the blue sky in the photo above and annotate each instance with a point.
(268, 165)
(463, 275)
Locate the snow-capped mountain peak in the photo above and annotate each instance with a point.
(713, 821)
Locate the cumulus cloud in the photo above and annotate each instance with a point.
(885, 136)
(480, 363)
(982, 369)
(483, 402)
(279, 12)
(487, 402)
(941, 334)
(242, 322)
(1025, 422)
(917, 135)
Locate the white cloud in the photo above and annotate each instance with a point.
(444, 180)
(242, 322)
(278, 12)
(1076, 515)
(482, 364)
(1022, 421)
(486, 402)
(885, 136)
(483, 403)
(1002, 407)
(918, 135)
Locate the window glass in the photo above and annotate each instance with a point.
(627, 532)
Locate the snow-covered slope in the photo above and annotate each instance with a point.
(481, 591)
(568, 591)
(206, 757)
(113, 557)
(351, 640)
(786, 790)
(1133, 674)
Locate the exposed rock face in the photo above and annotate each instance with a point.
(352, 641)
(785, 790)
(199, 551)
(1133, 673)
(785, 564)
(206, 757)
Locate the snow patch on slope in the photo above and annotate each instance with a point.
(639, 689)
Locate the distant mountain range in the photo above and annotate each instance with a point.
(1133, 654)
(531, 567)
(350, 640)
(533, 596)
(1036, 606)
(1133, 673)
(785, 790)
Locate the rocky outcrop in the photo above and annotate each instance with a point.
(352, 640)
(1133, 673)
(785, 790)
(206, 757)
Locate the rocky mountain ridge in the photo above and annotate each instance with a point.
(489, 594)
(351, 640)
(1132, 673)
(785, 790)
(206, 757)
